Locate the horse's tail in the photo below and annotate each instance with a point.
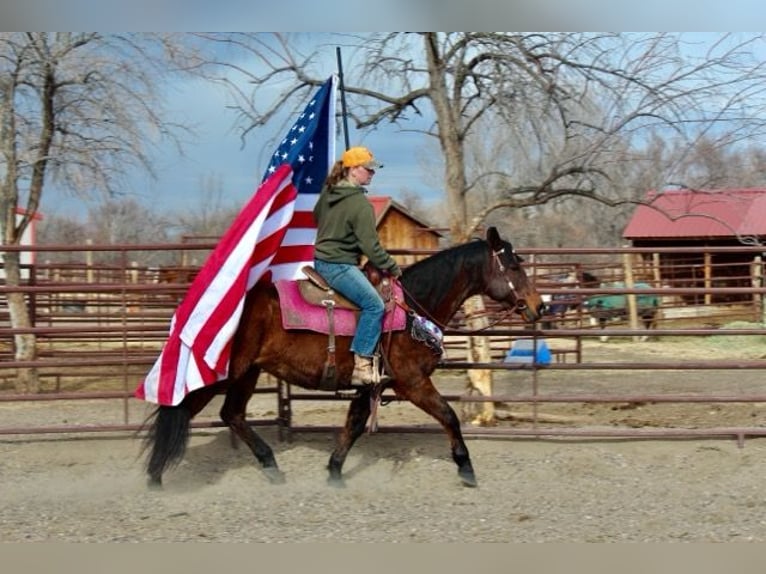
(166, 440)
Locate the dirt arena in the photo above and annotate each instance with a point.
(404, 487)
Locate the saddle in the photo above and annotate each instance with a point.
(316, 291)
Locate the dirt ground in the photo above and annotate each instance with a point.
(403, 487)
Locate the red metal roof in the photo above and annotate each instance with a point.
(380, 203)
(699, 214)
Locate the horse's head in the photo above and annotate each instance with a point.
(508, 282)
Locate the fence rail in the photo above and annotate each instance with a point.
(99, 328)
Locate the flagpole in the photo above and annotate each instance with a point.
(342, 97)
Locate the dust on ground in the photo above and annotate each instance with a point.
(403, 487)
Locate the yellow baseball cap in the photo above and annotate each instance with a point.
(355, 156)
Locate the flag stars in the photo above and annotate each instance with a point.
(304, 149)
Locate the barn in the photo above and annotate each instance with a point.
(398, 228)
(680, 218)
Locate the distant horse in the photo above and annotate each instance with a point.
(605, 308)
(434, 287)
(558, 305)
(181, 275)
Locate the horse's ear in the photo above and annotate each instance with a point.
(493, 238)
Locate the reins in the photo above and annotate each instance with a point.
(421, 310)
(385, 344)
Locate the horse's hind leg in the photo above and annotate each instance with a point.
(358, 413)
(426, 397)
(233, 414)
(650, 322)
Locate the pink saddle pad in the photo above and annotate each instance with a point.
(297, 314)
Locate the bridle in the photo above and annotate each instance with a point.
(520, 303)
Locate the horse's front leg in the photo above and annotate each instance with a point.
(425, 396)
(356, 419)
(600, 322)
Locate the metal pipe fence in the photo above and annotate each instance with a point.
(99, 330)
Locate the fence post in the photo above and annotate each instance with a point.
(708, 277)
(757, 281)
(656, 270)
(89, 263)
(630, 298)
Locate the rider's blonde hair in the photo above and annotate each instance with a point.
(337, 173)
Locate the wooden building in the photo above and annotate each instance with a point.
(702, 218)
(398, 228)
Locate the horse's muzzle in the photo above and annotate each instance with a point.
(522, 308)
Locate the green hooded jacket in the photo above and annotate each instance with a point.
(346, 228)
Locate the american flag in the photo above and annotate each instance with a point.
(309, 147)
(273, 235)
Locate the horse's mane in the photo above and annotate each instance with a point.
(431, 279)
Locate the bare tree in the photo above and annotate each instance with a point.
(79, 110)
(126, 221)
(570, 106)
(61, 230)
(212, 216)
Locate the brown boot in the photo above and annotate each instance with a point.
(363, 372)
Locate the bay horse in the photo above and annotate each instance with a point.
(435, 287)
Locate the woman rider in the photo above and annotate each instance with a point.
(345, 231)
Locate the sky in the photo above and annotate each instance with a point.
(412, 160)
(217, 153)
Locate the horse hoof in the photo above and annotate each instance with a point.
(336, 482)
(154, 483)
(469, 479)
(274, 475)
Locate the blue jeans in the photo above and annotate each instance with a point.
(349, 281)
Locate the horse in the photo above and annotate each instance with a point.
(435, 287)
(181, 275)
(605, 308)
(557, 305)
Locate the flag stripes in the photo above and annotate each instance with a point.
(270, 239)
